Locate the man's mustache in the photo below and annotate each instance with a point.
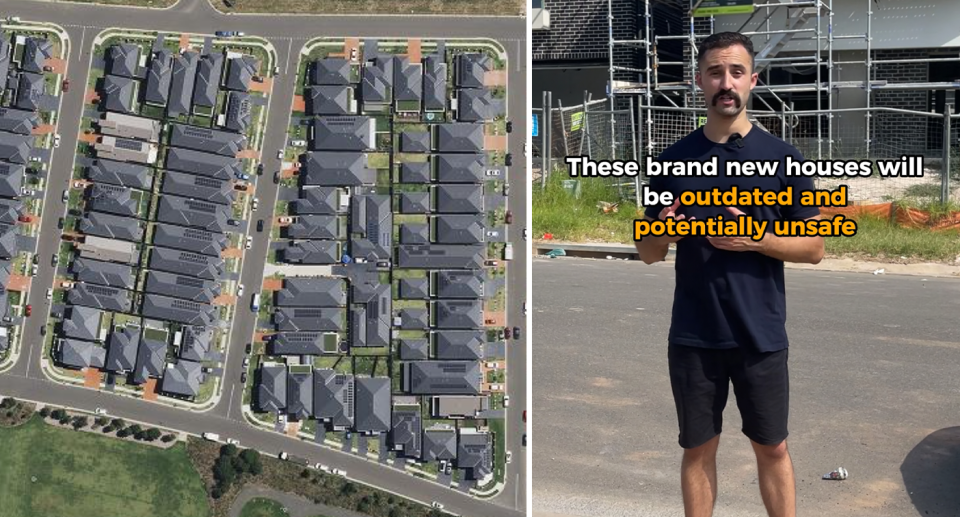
(730, 93)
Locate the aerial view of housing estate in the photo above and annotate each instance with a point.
(32, 65)
(256, 266)
(381, 318)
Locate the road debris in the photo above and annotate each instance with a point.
(839, 474)
(878, 272)
(559, 252)
(608, 208)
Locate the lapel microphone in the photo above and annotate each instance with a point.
(737, 139)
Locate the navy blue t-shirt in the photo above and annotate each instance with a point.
(726, 299)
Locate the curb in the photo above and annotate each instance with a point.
(594, 250)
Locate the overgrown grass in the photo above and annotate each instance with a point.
(880, 238)
(557, 211)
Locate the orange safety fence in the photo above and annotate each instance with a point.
(903, 216)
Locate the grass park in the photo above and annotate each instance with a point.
(46, 471)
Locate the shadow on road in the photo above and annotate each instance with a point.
(931, 473)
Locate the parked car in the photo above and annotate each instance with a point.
(243, 177)
(49, 294)
(437, 505)
(249, 241)
(243, 377)
(276, 70)
(66, 196)
(524, 439)
(525, 234)
(100, 411)
(28, 310)
(260, 170)
(516, 332)
(286, 220)
(249, 348)
(506, 189)
(256, 203)
(509, 456)
(56, 141)
(246, 361)
(54, 260)
(509, 126)
(280, 154)
(233, 441)
(240, 290)
(60, 223)
(508, 160)
(260, 225)
(506, 401)
(508, 218)
(43, 330)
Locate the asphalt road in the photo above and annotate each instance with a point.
(873, 361)
(287, 34)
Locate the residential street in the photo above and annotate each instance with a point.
(873, 381)
(287, 34)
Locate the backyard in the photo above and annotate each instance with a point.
(48, 471)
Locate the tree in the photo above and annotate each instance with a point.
(80, 422)
(228, 450)
(123, 433)
(117, 423)
(64, 418)
(305, 473)
(223, 471)
(8, 402)
(134, 429)
(395, 512)
(167, 438)
(216, 493)
(252, 459)
(100, 421)
(44, 412)
(348, 488)
(152, 434)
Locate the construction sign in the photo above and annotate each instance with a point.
(701, 121)
(715, 7)
(576, 120)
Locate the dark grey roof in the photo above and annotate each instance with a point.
(187, 263)
(193, 213)
(475, 106)
(209, 72)
(316, 200)
(459, 229)
(406, 430)
(460, 168)
(459, 314)
(330, 169)
(442, 377)
(35, 53)
(208, 140)
(123, 60)
(330, 70)
(21, 122)
(414, 349)
(308, 318)
(202, 188)
(300, 394)
(9, 244)
(178, 286)
(346, 133)
(181, 83)
(459, 199)
(475, 454)
(297, 343)
(29, 91)
(328, 100)
(112, 226)
(182, 378)
(333, 397)
(372, 404)
(158, 78)
(204, 164)
(122, 349)
(415, 142)
(372, 219)
(189, 239)
(415, 172)
(100, 297)
(131, 175)
(370, 321)
(470, 69)
(118, 93)
(150, 358)
(377, 78)
(414, 318)
(239, 111)
(313, 226)
(439, 444)
(272, 389)
(407, 80)
(15, 148)
(112, 199)
(103, 273)
(174, 309)
(434, 83)
(414, 202)
(196, 343)
(312, 292)
(81, 354)
(459, 137)
(241, 72)
(460, 344)
(10, 210)
(11, 179)
(460, 284)
(311, 252)
(414, 233)
(468, 256)
(83, 323)
(414, 288)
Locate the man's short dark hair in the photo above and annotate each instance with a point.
(725, 40)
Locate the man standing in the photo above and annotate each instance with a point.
(729, 309)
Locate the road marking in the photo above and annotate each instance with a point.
(289, 50)
(230, 401)
(80, 49)
(519, 60)
(516, 493)
(29, 359)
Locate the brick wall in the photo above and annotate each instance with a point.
(903, 133)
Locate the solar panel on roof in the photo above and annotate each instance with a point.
(130, 145)
(202, 181)
(194, 233)
(189, 282)
(192, 257)
(200, 206)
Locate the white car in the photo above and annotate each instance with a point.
(339, 472)
(49, 294)
(233, 441)
(509, 456)
(66, 196)
(524, 149)
(299, 143)
(276, 70)
(353, 54)
(255, 204)
(56, 140)
(437, 505)
(246, 361)
(506, 401)
(240, 290)
(495, 387)
(524, 308)
(525, 233)
(100, 411)
(249, 241)
(286, 220)
(280, 154)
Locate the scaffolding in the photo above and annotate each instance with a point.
(799, 14)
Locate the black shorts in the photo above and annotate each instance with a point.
(701, 377)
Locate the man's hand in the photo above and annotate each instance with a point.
(671, 212)
(736, 243)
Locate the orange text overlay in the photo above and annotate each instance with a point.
(745, 226)
(752, 197)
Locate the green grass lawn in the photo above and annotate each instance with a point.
(260, 507)
(509, 7)
(80, 474)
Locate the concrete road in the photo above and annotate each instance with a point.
(873, 361)
(287, 34)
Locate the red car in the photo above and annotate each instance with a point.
(66, 85)
(524, 415)
(29, 310)
(509, 217)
